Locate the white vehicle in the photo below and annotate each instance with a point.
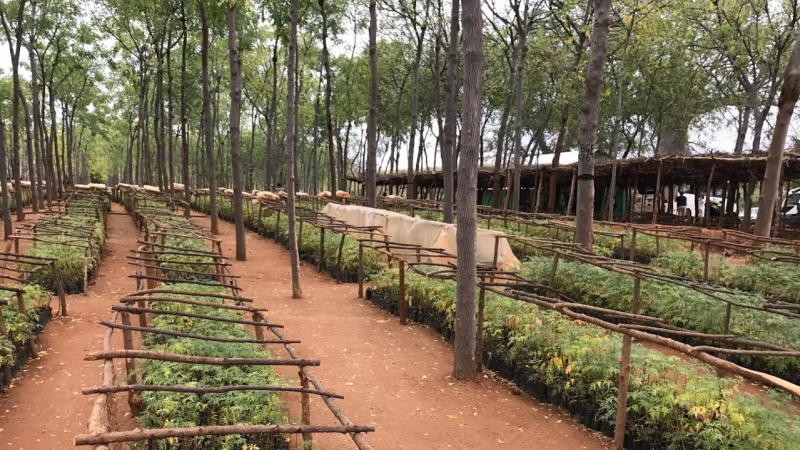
(648, 204)
(644, 203)
(791, 204)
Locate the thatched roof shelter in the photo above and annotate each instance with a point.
(675, 170)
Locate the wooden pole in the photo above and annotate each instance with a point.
(657, 195)
(624, 375)
(708, 196)
(127, 339)
(402, 292)
(571, 193)
(321, 248)
(479, 328)
(360, 270)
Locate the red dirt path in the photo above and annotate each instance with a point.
(396, 378)
(44, 409)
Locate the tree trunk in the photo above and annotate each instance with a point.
(522, 52)
(271, 125)
(771, 183)
(501, 134)
(7, 230)
(411, 193)
(29, 151)
(587, 136)
(37, 124)
(451, 92)
(464, 364)
(187, 191)
(170, 157)
(372, 120)
(235, 141)
(332, 184)
(209, 130)
(297, 291)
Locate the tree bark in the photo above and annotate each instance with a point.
(587, 136)
(170, 155)
(37, 124)
(522, 53)
(501, 133)
(332, 185)
(771, 183)
(209, 130)
(271, 125)
(464, 365)
(187, 190)
(234, 136)
(7, 230)
(297, 291)
(29, 151)
(411, 192)
(372, 119)
(451, 92)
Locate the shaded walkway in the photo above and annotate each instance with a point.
(394, 377)
(44, 409)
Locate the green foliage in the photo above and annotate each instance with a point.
(173, 409)
(19, 328)
(81, 226)
(677, 305)
(672, 403)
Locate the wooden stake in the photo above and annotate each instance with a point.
(624, 375)
(402, 292)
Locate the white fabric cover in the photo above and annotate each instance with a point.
(426, 233)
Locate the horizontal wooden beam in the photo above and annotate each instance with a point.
(222, 430)
(202, 390)
(170, 357)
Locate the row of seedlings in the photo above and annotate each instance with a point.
(24, 310)
(29, 280)
(73, 236)
(583, 358)
(704, 308)
(200, 380)
(534, 335)
(769, 267)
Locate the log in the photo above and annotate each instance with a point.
(222, 430)
(202, 390)
(171, 357)
(165, 299)
(194, 294)
(195, 336)
(139, 310)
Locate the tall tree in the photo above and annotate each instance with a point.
(332, 185)
(14, 46)
(7, 230)
(235, 141)
(472, 23)
(297, 291)
(372, 140)
(372, 119)
(451, 89)
(772, 174)
(523, 24)
(184, 119)
(419, 35)
(587, 134)
(209, 124)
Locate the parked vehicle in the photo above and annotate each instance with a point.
(790, 205)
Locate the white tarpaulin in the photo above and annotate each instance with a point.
(426, 233)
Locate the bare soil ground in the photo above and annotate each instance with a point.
(395, 378)
(44, 408)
